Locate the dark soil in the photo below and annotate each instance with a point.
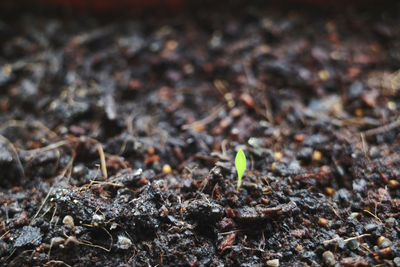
(118, 135)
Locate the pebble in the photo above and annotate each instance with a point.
(391, 105)
(28, 236)
(317, 155)
(6, 156)
(383, 242)
(167, 169)
(247, 99)
(393, 183)
(305, 153)
(307, 254)
(353, 244)
(278, 156)
(354, 215)
(299, 138)
(273, 263)
(123, 242)
(328, 258)
(356, 89)
(397, 261)
(370, 227)
(329, 191)
(97, 219)
(390, 221)
(323, 222)
(21, 218)
(359, 113)
(323, 75)
(273, 166)
(68, 220)
(151, 151)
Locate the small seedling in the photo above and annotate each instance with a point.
(240, 163)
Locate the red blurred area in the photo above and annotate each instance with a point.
(112, 4)
(103, 5)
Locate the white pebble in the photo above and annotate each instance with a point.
(123, 242)
(273, 263)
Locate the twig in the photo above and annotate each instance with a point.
(355, 237)
(15, 154)
(3, 235)
(326, 242)
(56, 262)
(24, 124)
(364, 145)
(101, 154)
(204, 121)
(384, 128)
(69, 165)
(47, 148)
(373, 215)
(102, 160)
(231, 232)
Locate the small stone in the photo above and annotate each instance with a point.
(356, 89)
(113, 226)
(167, 169)
(307, 254)
(354, 215)
(390, 221)
(328, 258)
(273, 166)
(359, 185)
(370, 97)
(278, 156)
(359, 113)
(21, 218)
(383, 242)
(329, 191)
(323, 222)
(6, 156)
(247, 99)
(68, 220)
(28, 236)
(171, 45)
(305, 153)
(323, 75)
(97, 219)
(317, 155)
(78, 230)
(397, 261)
(79, 170)
(273, 263)
(391, 105)
(299, 138)
(370, 227)
(393, 183)
(123, 242)
(151, 151)
(353, 244)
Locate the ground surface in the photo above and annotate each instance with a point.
(92, 108)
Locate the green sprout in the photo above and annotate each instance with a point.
(240, 163)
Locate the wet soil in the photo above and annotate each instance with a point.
(118, 135)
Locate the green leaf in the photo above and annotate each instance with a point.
(240, 163)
